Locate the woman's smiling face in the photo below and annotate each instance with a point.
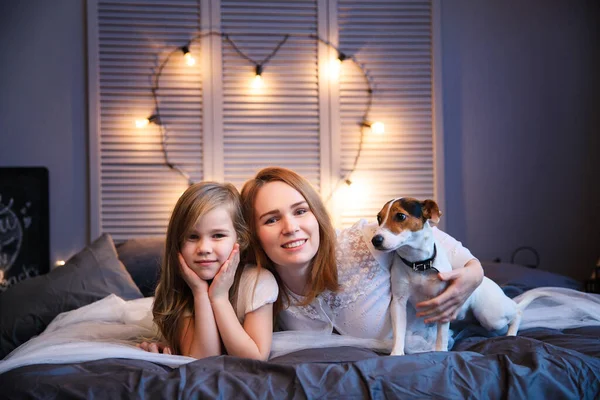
(287, 229)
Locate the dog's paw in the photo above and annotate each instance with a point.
(397, 353)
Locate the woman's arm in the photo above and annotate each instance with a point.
(462, 282)
(465, 277)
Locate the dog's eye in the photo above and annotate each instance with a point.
(400, 217)
(379, 219)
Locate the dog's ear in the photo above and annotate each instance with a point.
(431, 211)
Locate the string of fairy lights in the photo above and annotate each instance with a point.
(376, 127)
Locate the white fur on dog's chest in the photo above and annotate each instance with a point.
(417, 286)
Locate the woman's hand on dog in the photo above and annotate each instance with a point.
(446, 306)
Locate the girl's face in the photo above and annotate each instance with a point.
(287, 229)
(209, 243)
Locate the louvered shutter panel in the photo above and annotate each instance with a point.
(137, 190)
(278, 125)
(392, 39)
(296, 120)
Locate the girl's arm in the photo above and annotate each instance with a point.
(465, 277)
(253, 340)
(198, 334)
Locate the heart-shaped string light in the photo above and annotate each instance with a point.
(259, 67)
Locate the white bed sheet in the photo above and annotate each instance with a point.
(111, 328)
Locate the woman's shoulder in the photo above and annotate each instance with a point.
(443, 238)
(458, 255)
(356, 239)
(359, 226)
(361, 231)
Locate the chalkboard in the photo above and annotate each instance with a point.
(24, 224)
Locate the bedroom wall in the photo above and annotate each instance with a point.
(521, 129)
(43, 107)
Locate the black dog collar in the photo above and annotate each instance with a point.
(421, 266)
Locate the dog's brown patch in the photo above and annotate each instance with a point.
(408, 213)
(431, 210)
(383, 212)
(404, 214)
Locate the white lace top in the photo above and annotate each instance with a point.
(364, 278)
(253, 293)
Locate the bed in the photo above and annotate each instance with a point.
(538, 363)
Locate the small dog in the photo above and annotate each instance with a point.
(404, 228)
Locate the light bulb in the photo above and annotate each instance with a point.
(334, 68)
(378, 128)
(187, 56)
(189, 59)
(257, 83)
(59, 263)
(140, 123)
(357, 190)
(353, 195)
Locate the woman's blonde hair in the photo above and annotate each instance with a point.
(324, 269)
(173, 296)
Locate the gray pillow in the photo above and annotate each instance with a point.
(142, 258)
(27, 307)
(526, 278)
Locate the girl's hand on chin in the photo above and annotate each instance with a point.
(197, 284)
(219, 288)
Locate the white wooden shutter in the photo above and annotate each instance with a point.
(392, 39)
(135, 190)
(297, 121)
(280, 124)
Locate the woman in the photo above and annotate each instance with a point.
(335, 283)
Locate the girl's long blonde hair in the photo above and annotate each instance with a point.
(173, 296)
(324, 269)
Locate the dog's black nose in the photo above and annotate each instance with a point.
(377, 240)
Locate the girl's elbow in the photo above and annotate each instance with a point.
(260, 355)
(264, 352)
(257, 355)
(202, 354)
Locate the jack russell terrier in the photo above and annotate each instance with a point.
(404, 228)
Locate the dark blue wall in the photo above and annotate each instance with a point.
(521, 128)
(43, 107)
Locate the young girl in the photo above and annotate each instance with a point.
(198, 286)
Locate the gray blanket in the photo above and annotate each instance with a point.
(537, 364)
